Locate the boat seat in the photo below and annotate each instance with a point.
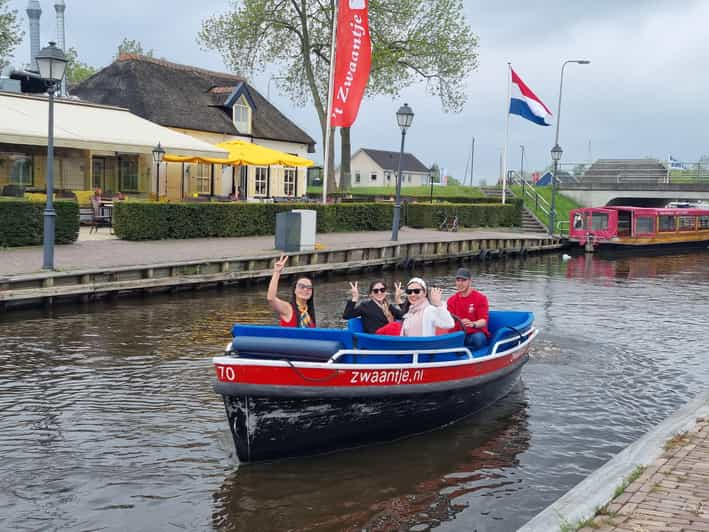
(355, 325)
(293, 349)
(296, 333)
(382, 342)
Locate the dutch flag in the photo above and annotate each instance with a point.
(526, 104)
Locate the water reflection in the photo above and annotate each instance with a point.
(591, 266)
(416, 481)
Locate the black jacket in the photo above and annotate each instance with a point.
(372, 316)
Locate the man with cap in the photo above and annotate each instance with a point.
(470, 308)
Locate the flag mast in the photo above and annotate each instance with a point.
(330, 85)
(507, 132)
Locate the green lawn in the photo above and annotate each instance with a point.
(564, 204)
(419, 192)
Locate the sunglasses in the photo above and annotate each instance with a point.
(379, 290)
(304, 286)
(413, 290)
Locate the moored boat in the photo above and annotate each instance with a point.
(292, 391)
(639, 228)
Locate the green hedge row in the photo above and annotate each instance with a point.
(22, 222)
(487, 215)
(153, 221)
(159, 221)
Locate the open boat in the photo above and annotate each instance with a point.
(290, 391)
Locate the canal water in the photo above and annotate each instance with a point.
(108, 420)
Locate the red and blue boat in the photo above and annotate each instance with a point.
(293, 392)
(639, 228)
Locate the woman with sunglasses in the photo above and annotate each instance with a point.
(300, 311)
(423, 316)
(376, 312)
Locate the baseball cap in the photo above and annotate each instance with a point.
(463, 273)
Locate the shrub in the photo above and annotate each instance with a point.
(22, 222)
(473, 215)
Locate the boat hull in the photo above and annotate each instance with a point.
(290, 423)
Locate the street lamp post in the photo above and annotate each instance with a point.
(556, 150)
(52, 64)
(404, 117)
(158, 156)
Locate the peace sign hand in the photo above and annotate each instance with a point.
(355, 291)
(398, 293)
(280, 264)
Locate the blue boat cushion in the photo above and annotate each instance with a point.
(355, 325)
(278, 348)
(296, 333)
(381, 342)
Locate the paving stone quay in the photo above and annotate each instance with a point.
(103, 250)
(672, 494)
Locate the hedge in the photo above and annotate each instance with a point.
(22, 222)
(155, 221)
(160, 221)
(480, 215)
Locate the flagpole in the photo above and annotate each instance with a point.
(330, 84)
(507, 133)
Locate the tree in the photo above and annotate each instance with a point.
(76, 71)
(450, 181)
(132, 47)
(412, 40)
(10, 33)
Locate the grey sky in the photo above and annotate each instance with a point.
(641, 95)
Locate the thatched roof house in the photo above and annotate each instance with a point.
(187, 97)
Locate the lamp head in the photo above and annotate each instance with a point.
(52, 63)
(556, 152)
(158, 153)
(404, 116)
(583, 61)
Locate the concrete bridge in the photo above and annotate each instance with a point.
(637, 194)
(638, 182)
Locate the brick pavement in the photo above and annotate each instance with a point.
(670, 495)
(97, 252)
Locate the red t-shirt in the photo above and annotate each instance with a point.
(474, 307)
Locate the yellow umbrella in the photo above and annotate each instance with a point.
(244, 153)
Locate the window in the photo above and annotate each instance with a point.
(358, 177)
(687, 223)
(704, 222)
(260, 181)
(599, 221)
(289, 177)
(645, 224)
(578, 221)
(242, 116)
(409, 178)
(128, 174)
(202, 175)
(668, 223)
(373, 176)
(18, 168)
(387, 175)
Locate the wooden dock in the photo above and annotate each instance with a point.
(48, 288)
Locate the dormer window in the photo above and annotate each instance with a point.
(242, 116)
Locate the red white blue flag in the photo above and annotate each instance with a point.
(526, 104)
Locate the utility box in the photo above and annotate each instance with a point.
(295, 230)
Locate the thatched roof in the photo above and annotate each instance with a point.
(389, 160)
(187, 97)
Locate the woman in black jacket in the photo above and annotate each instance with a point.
(375, 311)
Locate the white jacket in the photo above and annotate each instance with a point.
(435, 317)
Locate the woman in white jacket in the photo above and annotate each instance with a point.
(423, 317)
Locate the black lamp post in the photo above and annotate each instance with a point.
(404, 117)
(556, 152)
(52, 64)
(158, 156)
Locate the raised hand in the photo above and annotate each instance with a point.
(398, 293)
(355, 291)
(436, 296)
(280, 264)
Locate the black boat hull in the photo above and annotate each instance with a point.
(272, 427)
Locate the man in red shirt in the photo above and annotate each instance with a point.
(471, 309)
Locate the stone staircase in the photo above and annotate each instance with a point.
(530, 223)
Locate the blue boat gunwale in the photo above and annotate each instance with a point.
(246, 361)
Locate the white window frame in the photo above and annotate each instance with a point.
(241, 116)
(387, 177)
(290, 175)
(358, 177)
(260, 180)
(202, 177)
(373, 176)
